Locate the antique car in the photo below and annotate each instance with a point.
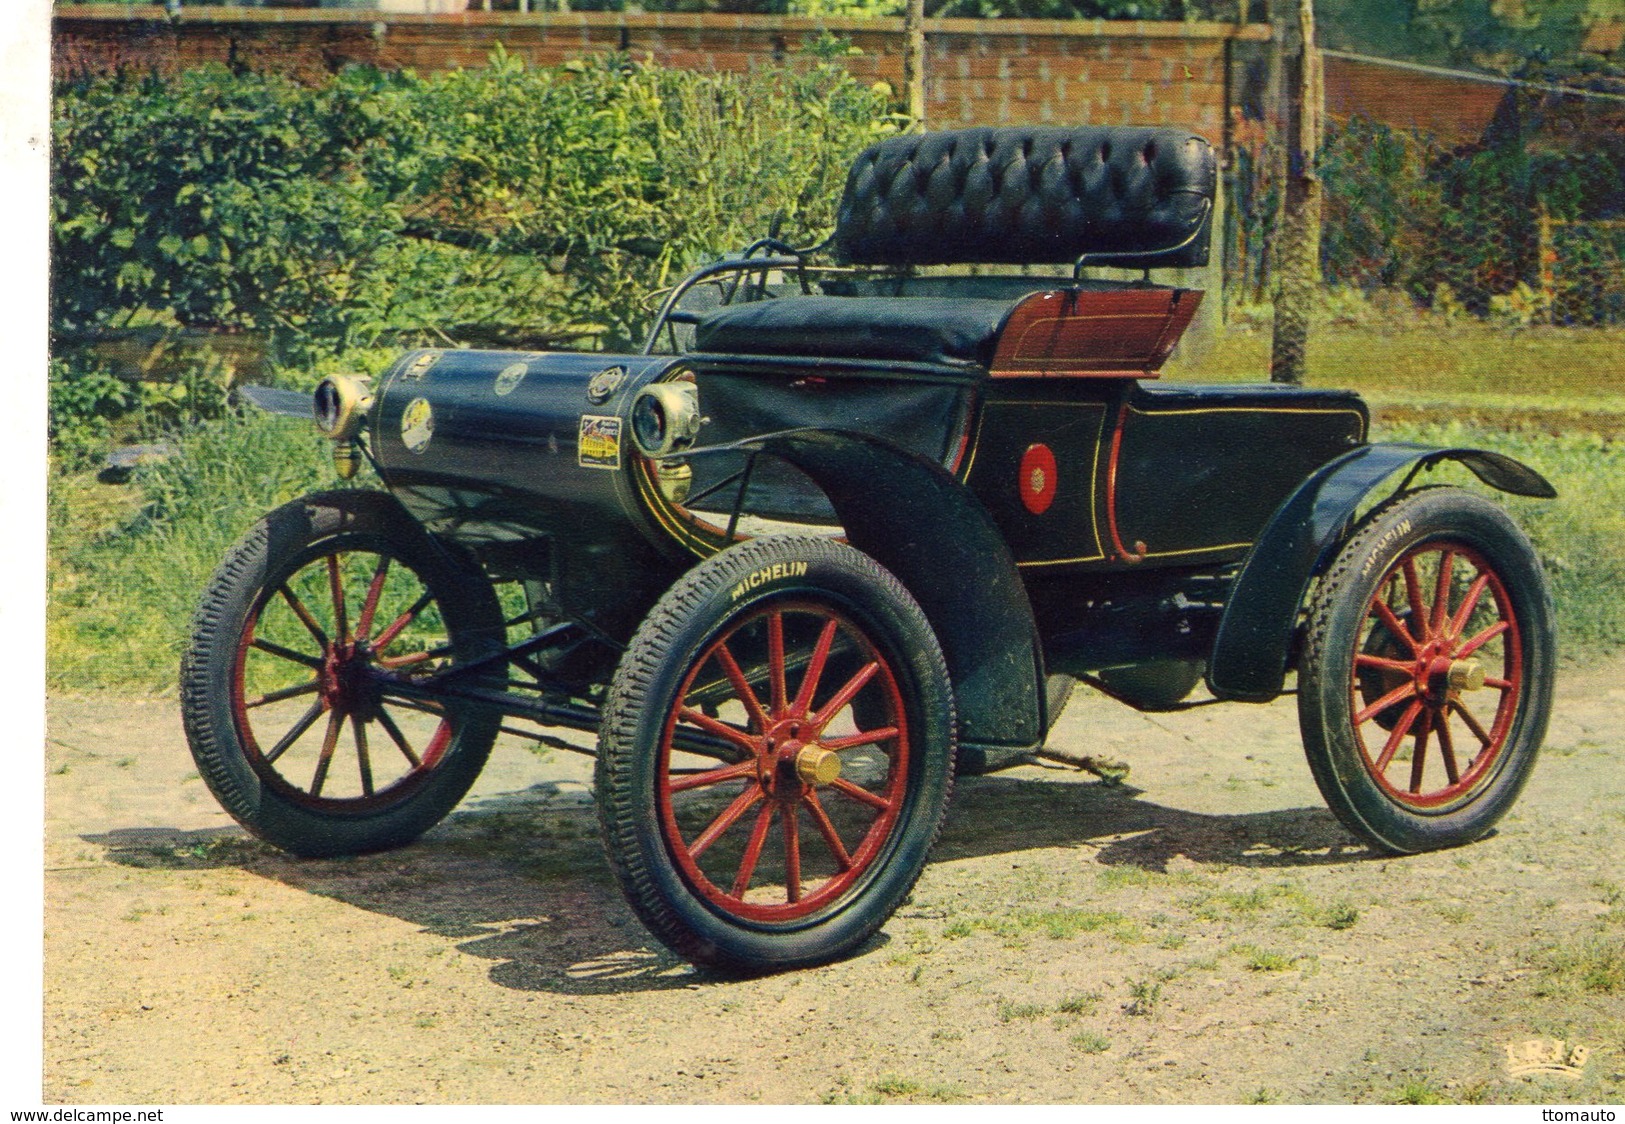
(854, 519)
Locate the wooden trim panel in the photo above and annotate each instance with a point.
(1114, 333)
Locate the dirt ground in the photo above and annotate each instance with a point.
(1204, 933)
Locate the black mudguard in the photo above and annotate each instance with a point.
(915, 519)
(1250, 652)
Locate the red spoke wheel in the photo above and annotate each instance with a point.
(776, 755)
(286, 688)
(1426, 680)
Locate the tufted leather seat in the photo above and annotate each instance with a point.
(1027, 195)
(1012, 195)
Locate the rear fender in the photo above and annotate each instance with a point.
(915, 519)
(1253, 644)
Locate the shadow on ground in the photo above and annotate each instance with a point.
(520, 879)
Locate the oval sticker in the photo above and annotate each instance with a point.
(508, 378)
(417, 425)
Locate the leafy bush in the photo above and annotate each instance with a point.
(507, 202)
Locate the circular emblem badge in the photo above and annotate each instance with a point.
(605, 383)
(508, 378)
(1038, 478)
(417, 425)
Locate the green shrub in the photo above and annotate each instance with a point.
(538, 202)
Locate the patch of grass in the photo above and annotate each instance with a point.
(1455, 914)
(1056, 924)
(1419, 1090)
(1090, 1042)
(1079, 1003)
(1257, 959)
(1592, 963)
(1339, 915)
(1010, 1012)
(1219, 904)
(894, 1087)
(124, 577)
(1139, 878)
(1263, 1095)
(1144, 995)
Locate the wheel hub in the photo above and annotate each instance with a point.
(788, 766)
(347, 683)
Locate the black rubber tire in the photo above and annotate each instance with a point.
(221, 735)
(669, 648)
(1398, 819)
(1159, 685)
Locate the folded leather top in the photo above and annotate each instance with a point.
(950, 330)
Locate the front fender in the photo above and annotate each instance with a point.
(910, 515)
(1253, 644)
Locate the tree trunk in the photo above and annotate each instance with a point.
(1297, 243)
(914, 61)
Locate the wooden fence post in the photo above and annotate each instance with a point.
(1298, 243)
(914, 62)
(1547, 252)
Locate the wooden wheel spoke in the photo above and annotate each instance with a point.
(863, 795)
(845, 695)
(753, 851)
(387, 637)
(1482, 639)
(1498, 684)
(296, 731)
(743, 691)
(865, 737)
(412, 658)
(1397, 735)
(1413, 594)
(264, 645)
(815, 669)
(335, 582)
(826, 828)
(1419, 754)
(369, 606)
(730, 815)
(362, 760)
(713, 776)
(284, 693)
(1364, 660)
(1441, 590)
(330, 741)
(719, 728)
(304, 616)
(1468, 604)
(1394, 624)
(1473, 724)
(792, 854)
(1398, 695)
(775, 662)
(1447, 748)
(397, 737)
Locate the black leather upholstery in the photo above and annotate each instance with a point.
(911, 329)
(1021, 195)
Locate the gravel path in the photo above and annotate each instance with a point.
(1204, 933)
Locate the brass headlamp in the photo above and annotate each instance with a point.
(340, 406)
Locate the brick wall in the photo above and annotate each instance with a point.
(1005, 72)
(1455, 110)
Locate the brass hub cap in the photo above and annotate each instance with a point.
(816, 766)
